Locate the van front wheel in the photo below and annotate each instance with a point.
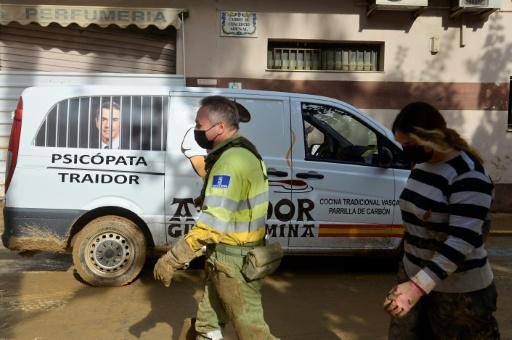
(109, 251)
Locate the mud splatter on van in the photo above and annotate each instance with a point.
(37, 238)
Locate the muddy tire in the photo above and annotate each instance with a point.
(109, 251)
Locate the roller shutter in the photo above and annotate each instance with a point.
(91, 49)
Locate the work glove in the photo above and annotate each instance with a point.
(402, 298)
(176, 258)
(164, 269)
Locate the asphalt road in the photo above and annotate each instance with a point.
(309, 298)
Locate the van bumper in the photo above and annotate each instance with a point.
(38, 229)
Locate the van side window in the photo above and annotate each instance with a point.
(106, 122)
(333, 135)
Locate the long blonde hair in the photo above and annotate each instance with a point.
(425, 124)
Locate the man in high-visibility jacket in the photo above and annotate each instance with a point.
(234, 202)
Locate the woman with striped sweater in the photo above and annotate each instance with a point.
(445, 284)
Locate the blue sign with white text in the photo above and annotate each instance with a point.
(221, 181)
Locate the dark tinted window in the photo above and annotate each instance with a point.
(510, 105)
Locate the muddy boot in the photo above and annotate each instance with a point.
(188, 329)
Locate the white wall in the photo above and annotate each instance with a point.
(479, 129)
(486, 56)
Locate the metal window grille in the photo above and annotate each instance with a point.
(106, 122)
(364, 58)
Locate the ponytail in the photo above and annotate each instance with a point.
(454, 140)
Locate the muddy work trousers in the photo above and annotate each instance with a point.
(448, 316)
(229, 297)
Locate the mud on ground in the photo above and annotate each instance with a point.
(309, 297)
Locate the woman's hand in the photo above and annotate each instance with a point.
(402, 298)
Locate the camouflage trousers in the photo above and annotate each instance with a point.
(229, 297)
(448, 316)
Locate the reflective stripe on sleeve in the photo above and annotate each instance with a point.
(232, 205)
(232, 226)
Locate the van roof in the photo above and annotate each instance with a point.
(63, 91)
(255, 92)
(121, 89)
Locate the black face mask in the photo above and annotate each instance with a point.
(417, 154)
(202, 140)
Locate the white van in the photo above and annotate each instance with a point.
(107, 172)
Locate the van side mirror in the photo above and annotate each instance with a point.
(385, 157)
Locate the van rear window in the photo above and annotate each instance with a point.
(106, 122)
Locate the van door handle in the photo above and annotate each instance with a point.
(312, 174)
(277, 173)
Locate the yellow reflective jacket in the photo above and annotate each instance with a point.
(235, 203)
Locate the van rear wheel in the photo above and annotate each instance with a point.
(109, 251)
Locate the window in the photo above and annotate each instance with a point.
(321, 56)
(510, 105)
(107, 122)
(331, 134)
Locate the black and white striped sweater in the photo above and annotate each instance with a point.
(444, 207)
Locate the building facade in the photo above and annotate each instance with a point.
(457, 58)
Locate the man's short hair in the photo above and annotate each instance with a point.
(221, 109)
(106, 105)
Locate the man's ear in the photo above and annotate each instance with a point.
(97, 122)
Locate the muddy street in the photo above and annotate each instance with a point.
(310, 297)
